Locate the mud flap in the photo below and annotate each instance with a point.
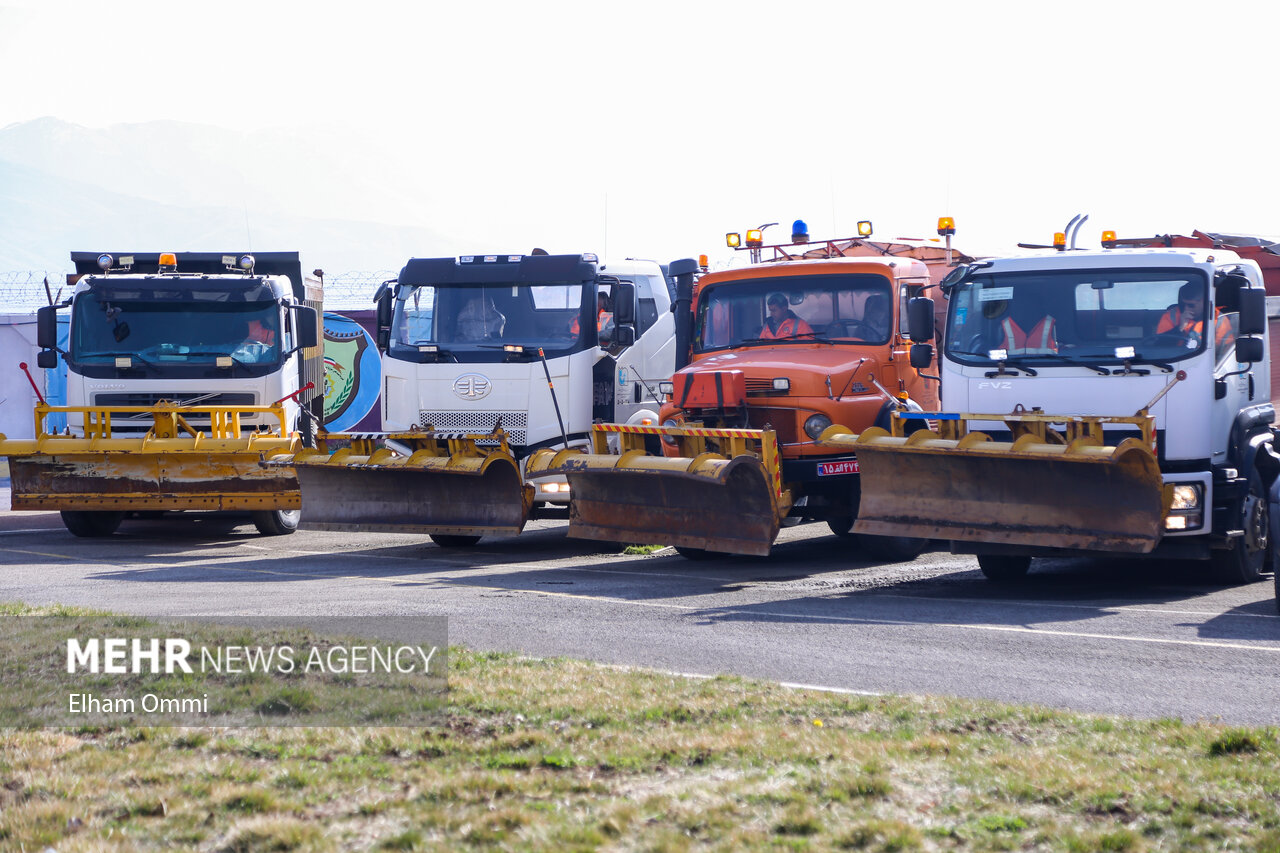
(1022, 493)
(485, 498)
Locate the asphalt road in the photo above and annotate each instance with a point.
(1144, 639)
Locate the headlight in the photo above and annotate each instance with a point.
(670, 439)
(1186, 496)
(814, 426)
(781, 383)
(667, 387)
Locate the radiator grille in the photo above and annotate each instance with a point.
(515, 424)
(126, 423)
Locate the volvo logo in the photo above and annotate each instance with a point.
(472, 386)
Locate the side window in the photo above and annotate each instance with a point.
(647, 310)
(1225, 337)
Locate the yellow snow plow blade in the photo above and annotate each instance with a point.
(722, 493)
(459, 484)
(180, 463)
(1047, 488)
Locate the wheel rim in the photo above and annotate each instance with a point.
(290, 517)
(1257, 528)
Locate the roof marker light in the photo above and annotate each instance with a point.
(247, 263)
(864, 228)
(591, 257)
(733, 240)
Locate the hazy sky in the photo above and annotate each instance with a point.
(650, 129)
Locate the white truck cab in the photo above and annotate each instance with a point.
(542, 345)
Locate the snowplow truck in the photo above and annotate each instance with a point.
(487, 359)
(1095, 403)
(170, 403)
(773, 355)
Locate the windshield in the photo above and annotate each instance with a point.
(795, 309)
(478, 320)
(1098, 316)
(159, 333)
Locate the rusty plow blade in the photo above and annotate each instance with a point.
(1078, 495)
(460, 491)
(707, 502)
(109, 474)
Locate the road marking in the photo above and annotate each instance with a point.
(853, 620)
(1120, 608)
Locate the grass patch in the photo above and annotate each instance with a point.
(642, 550)
(544, 754)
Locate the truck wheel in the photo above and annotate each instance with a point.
(445, 540)
(91, 524)
(277, 522)
(892, 549)
(1250, 554)
(1003, 569)
(841, 526)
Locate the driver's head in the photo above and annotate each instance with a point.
(1191, 301)
(777, 304)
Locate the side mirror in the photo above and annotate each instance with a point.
(1253, 311)
(47, 359)
(624, 304)
(920, 320)
(1249, 350)
(624, 336)
(384, 309)
(921, 356)
(308, 327)
(47, 328)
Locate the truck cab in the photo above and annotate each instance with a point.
(541, 345)
(143, 328)
(1177, 333)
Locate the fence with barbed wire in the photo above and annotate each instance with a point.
(24, 291)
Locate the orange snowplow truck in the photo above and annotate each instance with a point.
(769, 358)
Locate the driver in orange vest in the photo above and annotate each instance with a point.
(604, 317)
(1187, 317)
(782, 322)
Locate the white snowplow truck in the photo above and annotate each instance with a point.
(171, 401)
(485, 360)
(1100, 402)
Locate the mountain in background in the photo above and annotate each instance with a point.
(172, 186)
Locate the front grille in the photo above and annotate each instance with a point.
(762, 386)
(126, 423)
(515, 424)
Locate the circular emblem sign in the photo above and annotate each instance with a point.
(472, 386)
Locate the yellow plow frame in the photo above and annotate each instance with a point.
(723, 492)
(1055, 485)
(174, 466)
(449, 483)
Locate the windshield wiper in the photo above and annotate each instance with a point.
(1053, 356)
(1002, 369)
(121, 354)
(812, 335)
(1163, 365)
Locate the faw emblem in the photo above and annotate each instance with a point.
(472, 386)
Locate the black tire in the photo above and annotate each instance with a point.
(1277, 583)
(1249, 555)
(91, 524)
(892, 549)
(1003, 569)
(696, 553)
(277, 522)
(448, 540)
(841, 526)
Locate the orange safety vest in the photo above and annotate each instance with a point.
(1042, 338)
(788, 328)
(602, 319)
(1194, 330)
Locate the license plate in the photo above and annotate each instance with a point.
(828, 469)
